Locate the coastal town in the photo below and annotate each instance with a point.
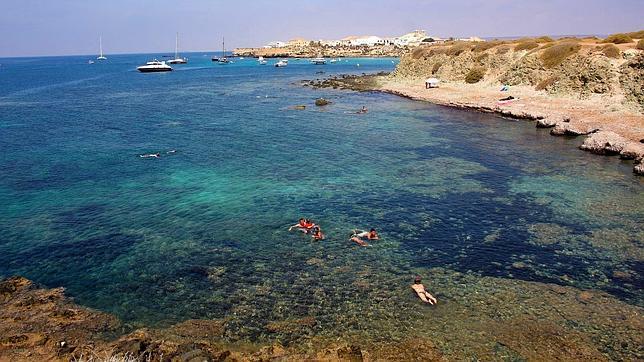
(350, 46)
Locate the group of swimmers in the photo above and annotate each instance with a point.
(308, 227)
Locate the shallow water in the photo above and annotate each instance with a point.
(202, 233)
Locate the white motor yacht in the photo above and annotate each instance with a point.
(281, 63)
(318, 61)
(154, 66)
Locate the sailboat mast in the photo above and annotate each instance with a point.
(223, 47)
(100, 45)
(176, 46)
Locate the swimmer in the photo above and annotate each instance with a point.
(301, 224)
(171, 151)
(422, 293)
(155, 155)
(317, 233)
(363, 110)
(357, 235)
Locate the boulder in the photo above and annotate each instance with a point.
(639, 167)
(632, 151)
(568, 129)
(546, 123)
(604, 143)
(321, 102)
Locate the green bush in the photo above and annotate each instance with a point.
(436, 67)
(544, 39)
(640, 44)
(485, 45)
(556, 54)
(618, 39)
(546, 83)
(611, 51)
(636, 34)
(475, 75)
(526, 45)
(458, 48)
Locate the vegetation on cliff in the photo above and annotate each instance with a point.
(568, 66)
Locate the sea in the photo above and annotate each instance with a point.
(202, 230)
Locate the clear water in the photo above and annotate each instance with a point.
(202, 233)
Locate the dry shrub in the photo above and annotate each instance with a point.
(481, 57)
(526, 45)
(618, 39)
(544, 39)
(419, 52)
(485, 45)
(458, 48)
(503, 49)
(436, 67)
(640, 44)
(636, 34)
(545, 83)
(475, 75)
(556, 54)
(611, 51)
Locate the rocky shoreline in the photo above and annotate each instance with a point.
(606, 133)
(483, 317)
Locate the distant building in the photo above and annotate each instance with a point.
(472, 38)
(367, 41)
(297, 42)
(275, 44)
(330, 43)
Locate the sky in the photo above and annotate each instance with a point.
(69, 27)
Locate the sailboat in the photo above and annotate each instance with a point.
(176, 59)
(223, 59)
(100, 45)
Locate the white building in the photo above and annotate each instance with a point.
(368, 41)
(411, 39)
(275, 44)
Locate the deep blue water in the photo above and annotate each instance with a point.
(202, 233)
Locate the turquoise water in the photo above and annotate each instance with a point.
(202, 233)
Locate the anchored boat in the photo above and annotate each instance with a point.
(154, 66)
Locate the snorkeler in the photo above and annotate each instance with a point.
(363, 110)
(317, 233)
(357, 235)
(422, 293)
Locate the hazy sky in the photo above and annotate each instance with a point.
(58, 27)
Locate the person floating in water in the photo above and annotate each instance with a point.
(148, 155)
(363, 110)
(422, 293)
(171, 152)
(317, 233)
(357, 235)
(304, 225)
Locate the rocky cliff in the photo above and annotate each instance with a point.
(578, 68)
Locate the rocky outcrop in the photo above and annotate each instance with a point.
(604, 143)
(549, 122)
(639, 166)
(570, 129)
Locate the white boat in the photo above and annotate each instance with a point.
(261, 61)
(154, 66)
(223, 60)
(318, 61)
(281, 63)
(176, 59)
(90, 62)
(100, 46)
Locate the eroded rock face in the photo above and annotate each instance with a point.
(546, 123)
(639, 167)
(43, 324)
(604, 143)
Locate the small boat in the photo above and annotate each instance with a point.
(223, 60)
(90, 62)
(318, 61)
(100, 46)
(281, 63)
(261, 61)
(176, 59)
(154, 66)
(333, 61)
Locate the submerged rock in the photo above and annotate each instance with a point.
(604, 143)
(321, 102)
